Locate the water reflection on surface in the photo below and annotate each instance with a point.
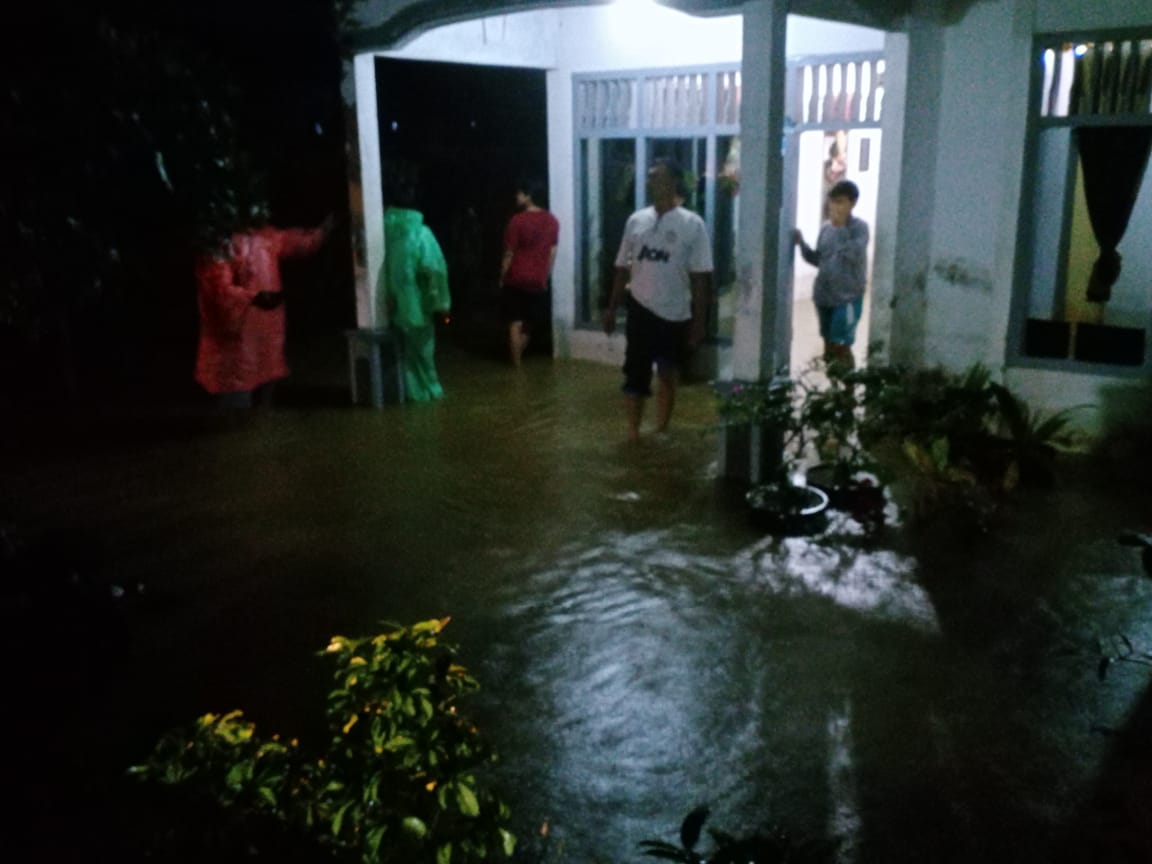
(640, 647)
(661, 676)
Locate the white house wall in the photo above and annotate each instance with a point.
(1053, 16)
(568, 41)
(976, 180)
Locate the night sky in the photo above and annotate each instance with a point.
(117, 290)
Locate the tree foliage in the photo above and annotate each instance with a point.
(136, 132)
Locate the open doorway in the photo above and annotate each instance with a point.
(837, 105)
(472, 131)
(826, 157)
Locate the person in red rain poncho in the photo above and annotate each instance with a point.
(241, 351)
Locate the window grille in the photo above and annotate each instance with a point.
(1102, 79)
(655, 101)
(606, 103)
(728, 97)
(841, 91)
(674, 101)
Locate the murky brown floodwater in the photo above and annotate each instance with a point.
(641, 648)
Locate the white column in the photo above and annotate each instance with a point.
(907, 198)
(763, 316)
(368, 234)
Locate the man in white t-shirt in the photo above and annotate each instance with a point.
(665, 267)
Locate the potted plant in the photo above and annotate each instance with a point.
(753, 420)
(777, 441)
(834, 408)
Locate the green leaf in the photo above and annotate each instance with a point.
(508, 841)
(415, 826)
(372, 842)
(266, 794)
(444, 854)
(338, 819)
(466, 800)
(237, 775)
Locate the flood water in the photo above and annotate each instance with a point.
(641, 648)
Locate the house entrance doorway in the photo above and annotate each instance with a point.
(836, 104)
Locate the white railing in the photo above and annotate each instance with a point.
(847, 91)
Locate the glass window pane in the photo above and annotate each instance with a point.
(692, 156)
(608, 196)
(1061, 322)
(724, 231)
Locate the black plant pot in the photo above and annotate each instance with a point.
(823, 477)
(787, 510)
(861, 499)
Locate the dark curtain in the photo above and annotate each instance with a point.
(1113, 159)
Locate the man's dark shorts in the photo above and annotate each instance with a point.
(530, 306)
(651, 340)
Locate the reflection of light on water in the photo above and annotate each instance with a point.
(646, 675)
(635, 674)
(874, 581)
(844, 811)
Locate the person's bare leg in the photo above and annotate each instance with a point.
(634, 408)
(665, 399)
(517, 340)
(843, 357)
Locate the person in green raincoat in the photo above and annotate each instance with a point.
(414, 285)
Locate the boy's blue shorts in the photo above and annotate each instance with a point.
(838, 323)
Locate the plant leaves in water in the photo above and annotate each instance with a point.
(666, 851)
(691, 827)
(1102, 668)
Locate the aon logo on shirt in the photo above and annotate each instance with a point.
(649, 254)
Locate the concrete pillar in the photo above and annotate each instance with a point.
(907, 203)
(763, 316)
(364, 187)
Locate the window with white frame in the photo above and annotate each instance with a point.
(1085, 262)
(625, 120)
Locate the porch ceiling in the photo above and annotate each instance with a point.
(390, 23)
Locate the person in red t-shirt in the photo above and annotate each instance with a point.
(529, 250)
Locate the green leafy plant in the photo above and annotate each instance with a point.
(396, 781)
(1033, 437)
(955, 443)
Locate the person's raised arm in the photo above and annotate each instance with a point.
(809, 254)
